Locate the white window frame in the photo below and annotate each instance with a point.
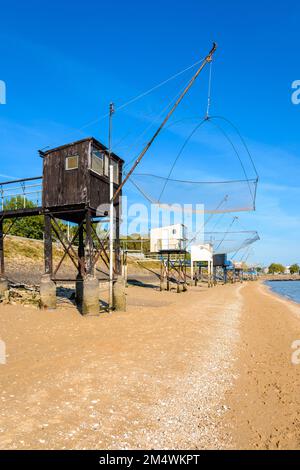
(67, 160)
(115, 171)
(106, 165)
(103, 161)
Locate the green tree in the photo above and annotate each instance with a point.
(276, 268)
(29, 227)
(135, 242)
(32, 226)
(294, 269)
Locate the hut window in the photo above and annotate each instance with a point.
(97, 164)
(115, 172)
(106, 165)
(72, 162)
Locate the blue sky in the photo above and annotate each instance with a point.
(63, 63)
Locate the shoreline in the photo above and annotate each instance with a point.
(281, 297)
(264, 404)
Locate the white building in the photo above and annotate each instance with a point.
(171, 237)
(202, 253)
(237, 264)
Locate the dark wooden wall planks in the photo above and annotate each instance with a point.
(81, 186)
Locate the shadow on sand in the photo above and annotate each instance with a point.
(137, 283)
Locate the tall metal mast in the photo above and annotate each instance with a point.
(111, 209)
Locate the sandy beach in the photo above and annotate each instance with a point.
(206, 369)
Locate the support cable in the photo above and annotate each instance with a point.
(226, 233)
(139, 96)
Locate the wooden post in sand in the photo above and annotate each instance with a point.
(225, 275)
(3, 280)
(209, 273)
(48, 245)
(89, 244)
(192, 272)
(47, 286)
(124, 267)
(80, 265)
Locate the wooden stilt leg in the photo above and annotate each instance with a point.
(81, 253)
(168, 272)
(48, 246)
(47, 286)
(89, 244)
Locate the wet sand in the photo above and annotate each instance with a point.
(265, 401)
(210, 368)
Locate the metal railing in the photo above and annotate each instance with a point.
(21, 194)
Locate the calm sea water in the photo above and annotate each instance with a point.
(289, 289)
